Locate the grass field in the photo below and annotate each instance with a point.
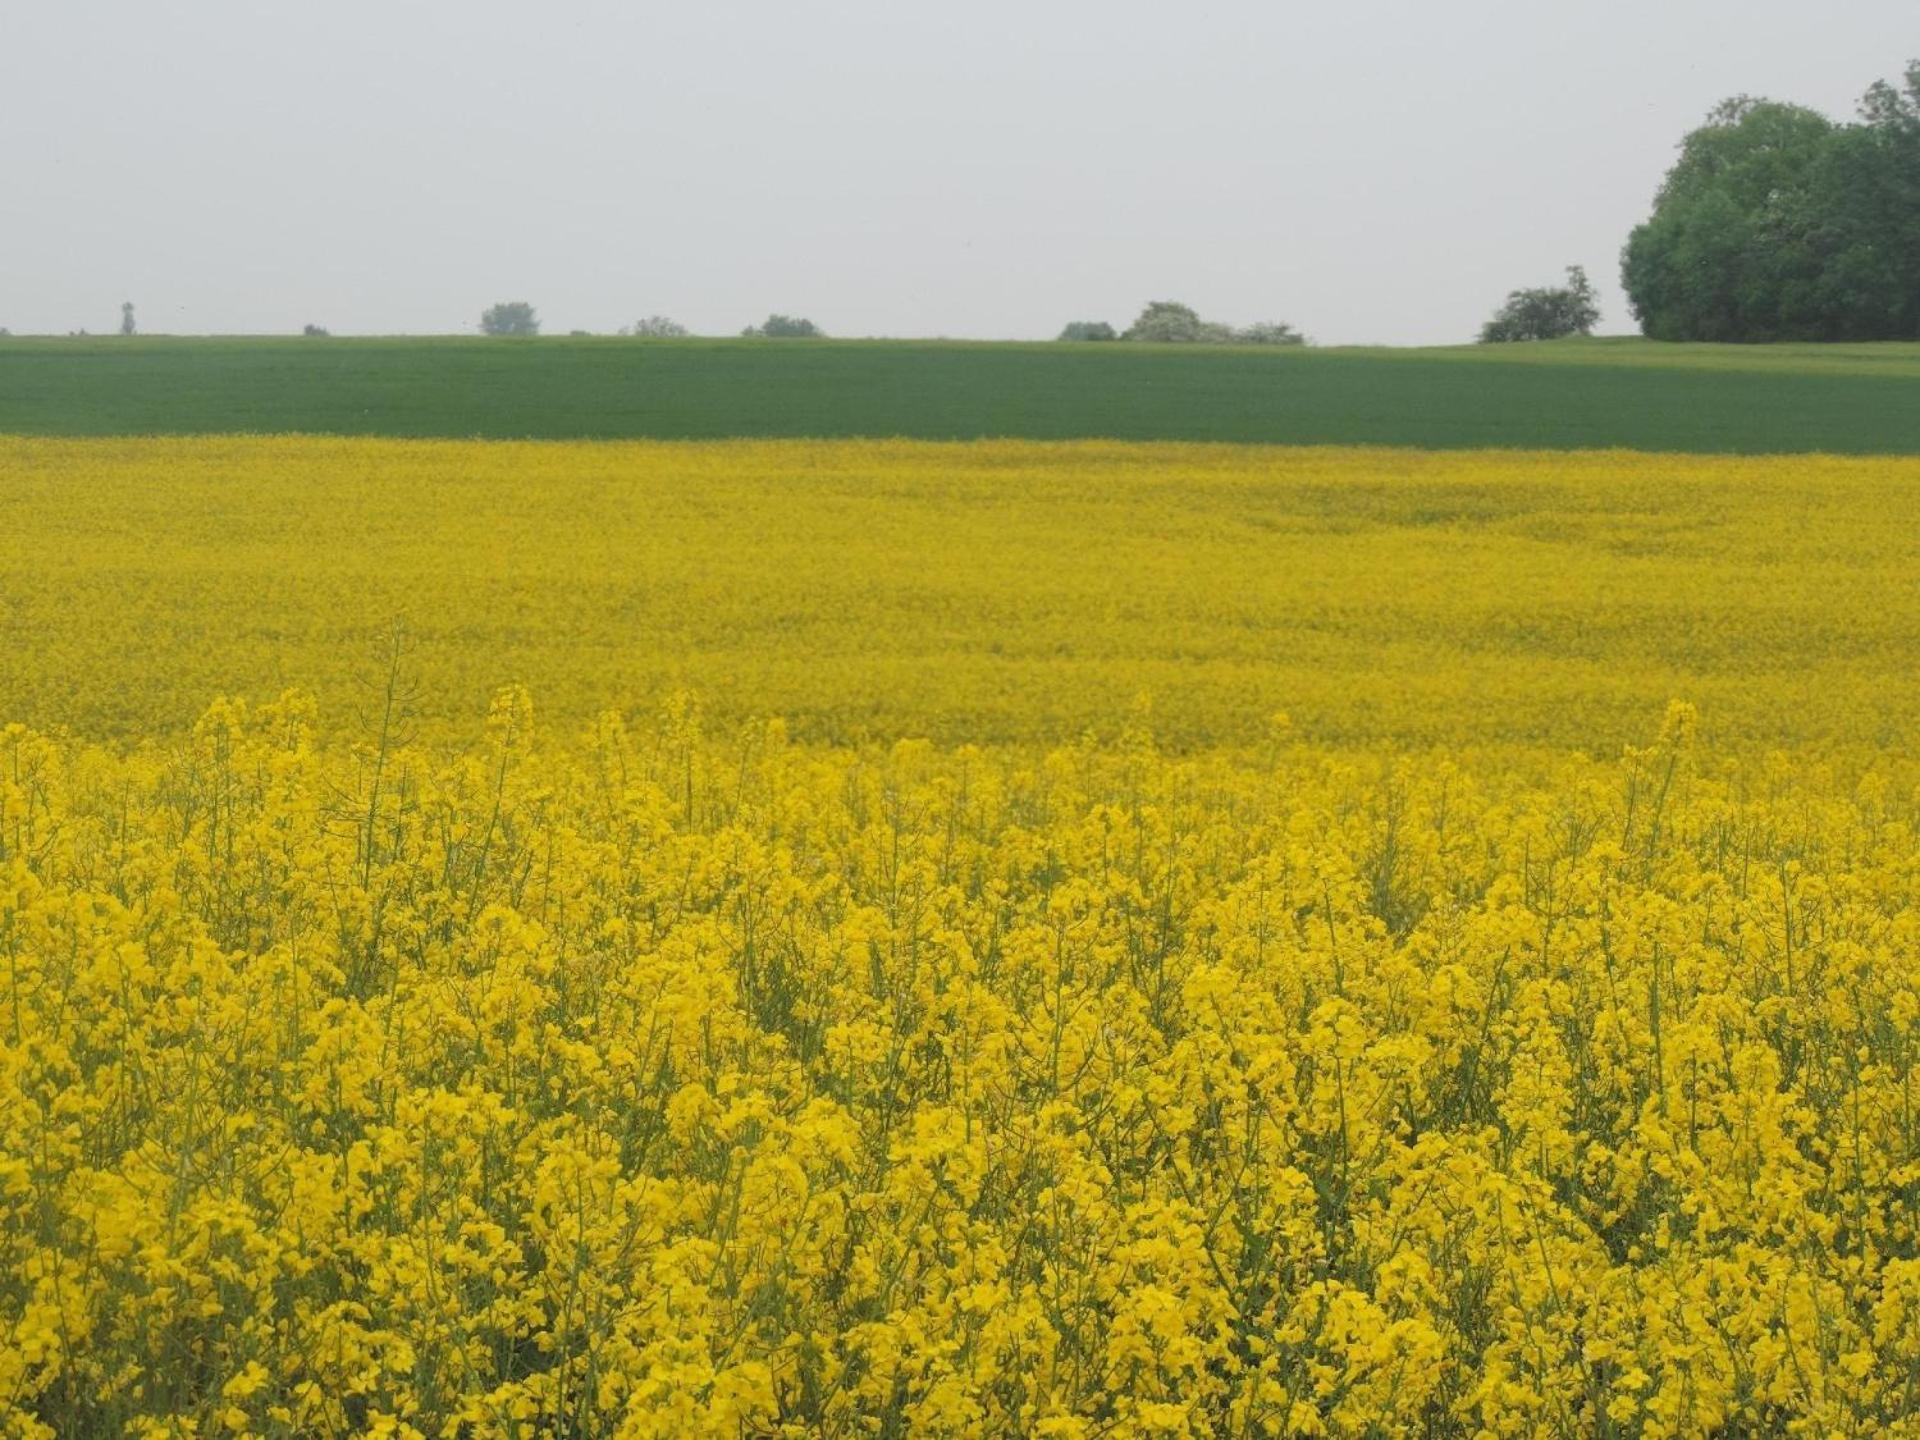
(1574, 395)
(989, 593)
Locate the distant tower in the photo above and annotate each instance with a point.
(126, 317)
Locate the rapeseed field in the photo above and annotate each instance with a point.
(881, 939)
(970, 594)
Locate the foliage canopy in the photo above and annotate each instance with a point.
(1777, 223)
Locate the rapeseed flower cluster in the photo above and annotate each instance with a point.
(688, 1079)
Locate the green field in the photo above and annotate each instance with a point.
(1858, 399)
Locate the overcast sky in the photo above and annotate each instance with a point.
(1373, 170)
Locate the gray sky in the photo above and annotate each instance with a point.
(1373, 170)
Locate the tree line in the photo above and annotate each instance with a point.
(517, 317)
(1775, 223)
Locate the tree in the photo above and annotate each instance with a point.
(1776, 223)
(315, 332)
(1085, 330)
(127, 327)
(658, 327)
(510, 317)
(784, 327)
(1551, 312)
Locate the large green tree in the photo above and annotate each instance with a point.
(1777, 223)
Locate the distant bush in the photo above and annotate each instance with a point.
(657, 327)
(315, 332)
(784, 327)
(1168, 322)
(1549, 313)
(509, 317)
(1268, 332)
(1089, 330)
